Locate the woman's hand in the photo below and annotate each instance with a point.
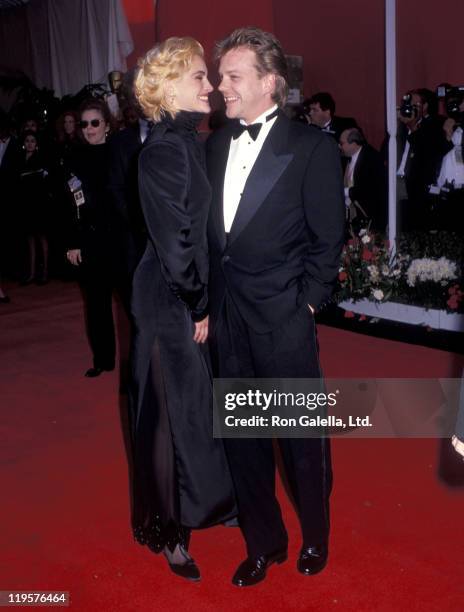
(74, 256)
(458, 445)
(201, 331)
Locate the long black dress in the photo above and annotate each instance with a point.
(181, 478)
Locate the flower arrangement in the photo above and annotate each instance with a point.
(417, 274)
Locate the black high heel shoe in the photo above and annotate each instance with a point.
(187, 569)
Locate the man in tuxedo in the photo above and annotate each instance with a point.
(320, 110)
(365, 181)
(275, 232)
(422, 145)
(125, 147)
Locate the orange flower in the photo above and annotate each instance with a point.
(342, 276)
(349, 314)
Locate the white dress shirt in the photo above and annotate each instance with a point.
(404, 159)
(242, 155)
(349, 173)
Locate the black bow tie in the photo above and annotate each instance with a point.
(252, 129)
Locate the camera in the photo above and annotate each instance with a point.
(454, 100)
(454, 97)
(407, 108)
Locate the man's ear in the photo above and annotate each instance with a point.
(269, 83)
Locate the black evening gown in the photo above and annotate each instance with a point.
(181, 478)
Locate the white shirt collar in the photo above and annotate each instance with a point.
(355, 157)
(262, 117)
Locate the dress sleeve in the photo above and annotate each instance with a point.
(164, 177)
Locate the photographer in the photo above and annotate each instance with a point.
(423, 147)
(451, 178)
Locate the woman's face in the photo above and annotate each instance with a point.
(94, 127)
(30, 144)
(69, 124)
(190, 91)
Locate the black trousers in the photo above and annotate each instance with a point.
(98, 279)
(288, 352)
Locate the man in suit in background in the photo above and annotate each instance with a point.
(365, 181)
(422, 145)
(125, 147)
(275, 233)
(320, 110)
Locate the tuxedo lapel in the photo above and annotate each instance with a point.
(269, 166)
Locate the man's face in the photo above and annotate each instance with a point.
(348, 149)
(247, 95)
(318, 116)
(421, 107)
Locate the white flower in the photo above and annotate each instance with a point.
(378, 294)
(365, 239)
(363, 231)
(373, 273)
(385, 270)
(426, 269)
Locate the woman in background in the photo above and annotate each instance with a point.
(92, 239)
(35, 208)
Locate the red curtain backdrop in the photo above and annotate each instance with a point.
(342, 43)
(141, 18)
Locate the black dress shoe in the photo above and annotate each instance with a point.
(96, 371)
(312, 559)
(253, 570)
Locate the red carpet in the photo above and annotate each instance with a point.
(396, 541)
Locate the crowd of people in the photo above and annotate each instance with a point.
(222, 256)
(430, 174)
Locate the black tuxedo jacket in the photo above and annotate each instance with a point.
(428, 145)
(284, 246)
(124, 149)
(337, 126)
(370, 186)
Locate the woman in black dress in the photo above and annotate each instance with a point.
(92, 240)
(181, 478)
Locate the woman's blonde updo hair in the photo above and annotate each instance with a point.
(165, 62)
